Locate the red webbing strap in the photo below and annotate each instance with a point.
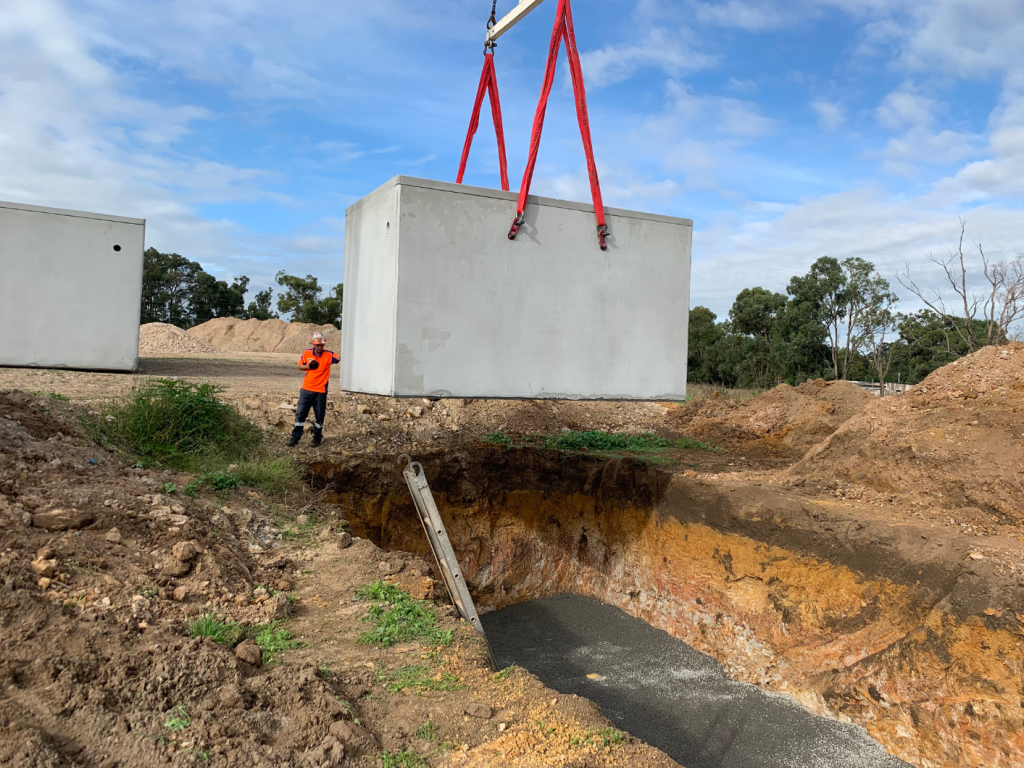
(488, 83)
(563, 30)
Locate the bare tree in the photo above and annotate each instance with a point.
(880, 325)
(987, 317)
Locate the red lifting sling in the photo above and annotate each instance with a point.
(489, 83)
(563, 29)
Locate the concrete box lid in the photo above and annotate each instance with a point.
(497, 194)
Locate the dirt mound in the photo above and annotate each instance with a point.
(162, 339)
(954, 441)
(784, 420)
(233, 335)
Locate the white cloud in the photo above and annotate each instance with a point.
(340, 151)
(920, 145)
(748, 16)
(671, 52)
(723, 115)
(731, 253)
(830, 115)
(72, 135)
(741, 86)
(904, 108)
(965, 37)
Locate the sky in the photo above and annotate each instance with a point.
(785, 129)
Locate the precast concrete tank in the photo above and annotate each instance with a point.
(440, 303)
(70, 288)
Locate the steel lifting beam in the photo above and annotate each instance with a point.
(441, 546)
(510, 19)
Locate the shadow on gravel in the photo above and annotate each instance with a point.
(662, 691)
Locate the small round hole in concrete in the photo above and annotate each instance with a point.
(117, 247)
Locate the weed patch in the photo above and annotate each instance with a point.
(498, 438)
(178, 423)
(427, 732)
(273, 475)
(610, 442)
(398, 618)
(225, 633)
(273, 639)
(403, 759)
(179, 719)
(419, 677)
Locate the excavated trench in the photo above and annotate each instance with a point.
(850, 616)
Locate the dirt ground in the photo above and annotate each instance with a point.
(948, 455)
(103, 567)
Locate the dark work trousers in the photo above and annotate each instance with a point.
(318, 402)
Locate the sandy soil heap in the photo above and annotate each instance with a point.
(954, 441)
(786, 420)
(233, 335)
(162, 339)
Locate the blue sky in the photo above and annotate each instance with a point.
(786, 130)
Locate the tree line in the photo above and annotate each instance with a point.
(180, 292)
(840, 321)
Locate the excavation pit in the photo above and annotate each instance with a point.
(841, 610)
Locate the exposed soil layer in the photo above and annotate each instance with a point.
(911, 630)
(233, 335)
(102, 569)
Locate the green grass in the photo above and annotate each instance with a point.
(504, 673)
(273, 475)
(226, 633)
(51, 395)
(419, 677)
(498, 438)
(646, 442)
(179, 719)
(403, 759)
(176, 423)
(427, 731)
(398, 618)
(273, 639)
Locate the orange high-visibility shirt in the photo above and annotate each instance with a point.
(317, 381)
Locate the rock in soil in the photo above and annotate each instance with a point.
(63, 520)
(250, 653)
(355, 738)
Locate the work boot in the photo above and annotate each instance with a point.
(292, 441)
(315, 442)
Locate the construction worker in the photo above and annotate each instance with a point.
(317, 363)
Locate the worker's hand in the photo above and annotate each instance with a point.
(313, 365)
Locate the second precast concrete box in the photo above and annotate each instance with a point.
(70, 288)
(440, 303)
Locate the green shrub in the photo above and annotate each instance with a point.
(398, 618)
(177, 423)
